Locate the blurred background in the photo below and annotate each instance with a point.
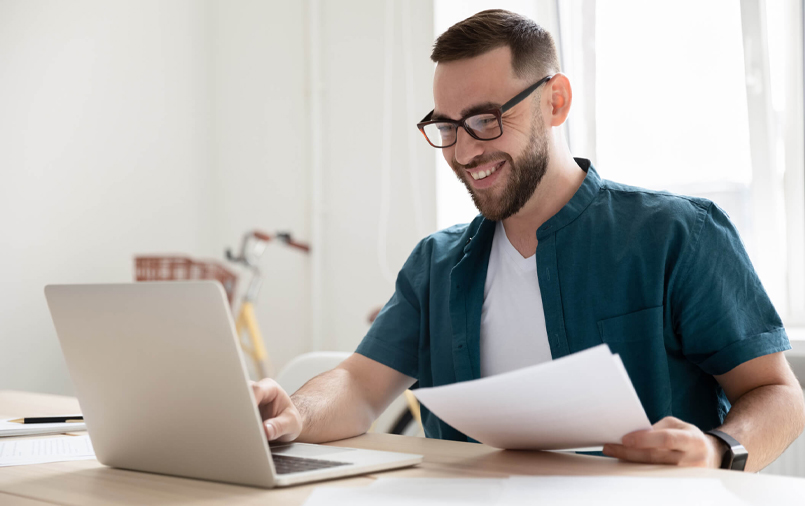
(133, 127)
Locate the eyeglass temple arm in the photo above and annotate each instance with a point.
(526, 92)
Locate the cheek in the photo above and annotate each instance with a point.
(510, 145)
(518, 126)
(512, 141)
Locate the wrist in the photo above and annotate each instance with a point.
(300, 414)
(718, 449)
(736, 455)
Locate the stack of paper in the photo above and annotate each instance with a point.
(18, 452)
(8, 428)
(523, 490)
(582, 400)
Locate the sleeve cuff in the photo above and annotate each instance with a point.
(745, 350)
(389, 356)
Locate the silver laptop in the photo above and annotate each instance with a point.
(164, 389)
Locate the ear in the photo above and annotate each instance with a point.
(559, 97)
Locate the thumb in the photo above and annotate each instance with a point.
(283, 427)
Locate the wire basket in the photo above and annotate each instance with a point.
(176, 268)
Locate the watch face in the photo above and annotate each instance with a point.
(739, 460)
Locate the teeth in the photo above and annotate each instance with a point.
(483, 174)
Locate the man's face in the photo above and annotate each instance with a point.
(519, 158)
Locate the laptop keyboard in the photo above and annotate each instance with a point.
(285, 464)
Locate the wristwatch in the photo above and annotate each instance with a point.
(736, 455)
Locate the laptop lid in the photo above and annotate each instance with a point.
(160, 379)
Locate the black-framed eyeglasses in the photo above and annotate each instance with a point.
(482, 125)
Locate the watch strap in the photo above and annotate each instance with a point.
(736, 455)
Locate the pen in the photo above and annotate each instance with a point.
(51, 419)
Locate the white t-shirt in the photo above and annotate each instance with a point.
(513, 333)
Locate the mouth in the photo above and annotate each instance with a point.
(484, 171)
(486, 176)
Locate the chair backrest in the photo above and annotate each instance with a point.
(305, 367)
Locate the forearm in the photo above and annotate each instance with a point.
(332, 408)
(766, 420)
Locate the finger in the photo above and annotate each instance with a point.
(284, 427)
(265, 391)
(664, 439)
(670, 422)
(642, 455)
(629, 438)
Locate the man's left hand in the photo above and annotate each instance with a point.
(669, 441)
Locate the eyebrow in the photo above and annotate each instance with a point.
(467, 112)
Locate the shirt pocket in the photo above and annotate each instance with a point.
(638, 338)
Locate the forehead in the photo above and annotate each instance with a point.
(461, 84)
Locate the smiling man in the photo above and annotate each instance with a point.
(558, 261)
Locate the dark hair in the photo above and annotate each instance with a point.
(533, 50)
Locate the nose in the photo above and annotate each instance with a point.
(467, 147)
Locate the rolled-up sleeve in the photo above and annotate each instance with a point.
(721, 312)
(393, 339)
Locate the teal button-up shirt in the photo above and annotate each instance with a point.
(663, 279)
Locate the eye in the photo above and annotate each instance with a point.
(483, 122)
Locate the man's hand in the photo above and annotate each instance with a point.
(669, 441)
(281, 419)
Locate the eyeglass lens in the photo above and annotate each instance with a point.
(483, 126)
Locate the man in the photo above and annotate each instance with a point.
(560, 261)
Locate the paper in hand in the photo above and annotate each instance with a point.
(582, 400)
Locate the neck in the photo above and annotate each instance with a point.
(560, 182)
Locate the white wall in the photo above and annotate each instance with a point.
(353, 56)
(144, 127)
(260, 137)
(103, 154)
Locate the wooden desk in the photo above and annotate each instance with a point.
(89, 483)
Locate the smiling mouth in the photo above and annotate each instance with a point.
(482, 174)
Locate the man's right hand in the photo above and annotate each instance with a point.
(281, 419)
(337, 404)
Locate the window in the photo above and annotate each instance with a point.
(696, 104)
(698, 98)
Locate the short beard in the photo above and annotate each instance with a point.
(525, 176)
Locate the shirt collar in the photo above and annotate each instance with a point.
(581, 200)
(482, 230)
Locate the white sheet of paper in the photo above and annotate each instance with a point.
(528, 490)
(616, 491)
(18, 452)
(407, 491)
(581, 400)
(8, 429)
